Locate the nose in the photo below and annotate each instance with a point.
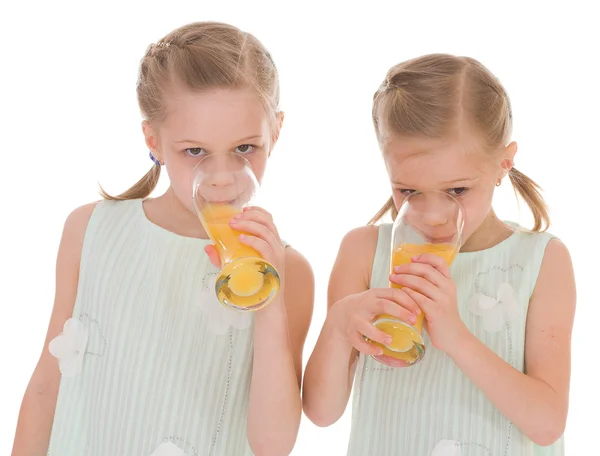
(436, 209)
(222, 171)
(434, 219)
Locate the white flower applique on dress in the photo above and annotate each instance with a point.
(69, 347)
(447, 448)
(496, 312)
(168, 449)
(220, 318)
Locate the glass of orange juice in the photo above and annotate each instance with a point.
(427, 222)
(224, 183)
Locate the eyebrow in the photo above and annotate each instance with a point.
(451, 182)
(246, 139)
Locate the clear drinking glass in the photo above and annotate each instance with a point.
(223, 185)
(427, 222)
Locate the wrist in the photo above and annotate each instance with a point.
(460, 343)
(333, 333)
(274, 312)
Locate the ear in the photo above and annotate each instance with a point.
(508, 159)
(276, 130)
(151, 139)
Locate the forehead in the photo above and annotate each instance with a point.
(425, 163)
(213, 116)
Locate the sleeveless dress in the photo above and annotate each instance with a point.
(152, 364)
(432, 408)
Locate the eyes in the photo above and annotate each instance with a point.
(243, 149)
(458, 191)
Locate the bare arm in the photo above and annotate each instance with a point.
(280, 331)
(536, 402)
(330, 369)
(39, 402)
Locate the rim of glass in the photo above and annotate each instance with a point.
(196, 183)
(461, 211)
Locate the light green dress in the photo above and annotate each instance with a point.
(432, 408)
(152, 363)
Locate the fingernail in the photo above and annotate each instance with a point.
(243, 237)
(397, 268)
(388, 340)
(412, 319)
(415, 258)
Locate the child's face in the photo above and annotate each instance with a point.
(451, 166)
(198, 124)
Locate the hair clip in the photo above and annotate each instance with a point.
(165, 44)
(153, 158)
(385, 85)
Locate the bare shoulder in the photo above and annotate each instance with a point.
(556, 272)
(557, 250)
(296, 263)
(77, 222)
(361, 241)
(82, 213)
(352, 269)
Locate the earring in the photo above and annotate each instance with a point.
(156, 162)
(499, 183)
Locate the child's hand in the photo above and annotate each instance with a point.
(213, 255)
(261, 235)
(352, 317)
(428, 282)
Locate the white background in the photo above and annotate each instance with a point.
(69, 120)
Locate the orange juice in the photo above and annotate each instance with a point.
(246, 281)
(227, 240)
(407, 346)
(403, 254)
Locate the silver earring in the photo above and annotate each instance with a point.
(499, 183)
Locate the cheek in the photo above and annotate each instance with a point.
(259, 165)
(180, 179)
(476, 207)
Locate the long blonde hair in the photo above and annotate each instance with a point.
(202, 56)
(428, 95)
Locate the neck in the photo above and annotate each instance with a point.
(490, 233)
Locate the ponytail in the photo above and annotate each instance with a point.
(530, 191)
(140, 190)
(389, 206)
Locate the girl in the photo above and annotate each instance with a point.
(495, 378)
(151, 363)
